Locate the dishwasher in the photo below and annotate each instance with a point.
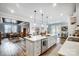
(44, 45)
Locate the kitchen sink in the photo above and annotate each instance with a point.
(73, 39)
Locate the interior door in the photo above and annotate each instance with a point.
(24, 32)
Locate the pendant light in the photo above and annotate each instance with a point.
(47, 20)
(35, 17)
(11, 25)
(42, 20)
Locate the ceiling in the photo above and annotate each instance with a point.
(54, 11)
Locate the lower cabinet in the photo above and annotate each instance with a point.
(29, 48)
(37, 48)
(51, 41)
(33, 48)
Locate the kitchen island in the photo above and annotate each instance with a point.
(37, 45)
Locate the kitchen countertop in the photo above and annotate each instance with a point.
(35, 38)
(74, 36)
(69, 48)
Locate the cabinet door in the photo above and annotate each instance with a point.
(49, 42)
(37, 48)
(29, 48)
(53, 40)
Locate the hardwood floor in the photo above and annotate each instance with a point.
(8, 48)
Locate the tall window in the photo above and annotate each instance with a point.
(10, 28)
(7, 28)
(14, 28)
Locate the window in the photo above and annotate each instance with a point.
(10, 28)
(14, 28)
(7, 28)
(7, 20)
(14, 21)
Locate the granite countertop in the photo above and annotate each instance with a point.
(69, 48)
(35, 38)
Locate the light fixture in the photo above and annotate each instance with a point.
(31, 17)
(54, 4)
(12, 11)
(34, 24)
(35, 17)
(42, 20)
(61, 14)
(41, 11)
(17, 5)
(47, 20)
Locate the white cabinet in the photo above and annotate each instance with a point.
(37, 48)
(33, 48)
(29, 48)
(51, 41)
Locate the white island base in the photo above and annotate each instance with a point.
(34, 44)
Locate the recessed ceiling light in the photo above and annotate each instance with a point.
(12, 11)
(54, 4)
(42, 25)
(34, 24)
(61, 14)
(17, 5)
(41, 11)
(31, 17)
